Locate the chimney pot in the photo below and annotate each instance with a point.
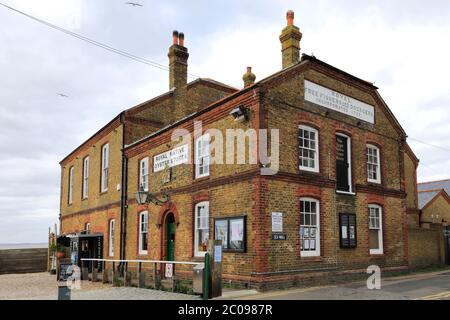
(290, 17)
(248, 77)
(175, 37)
(181, 38)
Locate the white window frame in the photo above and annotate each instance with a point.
(377, 164)
(205, 205)
(143, 173)
(380, 228)
(316, 252)
(85, 177)
(112, 228)
(141, 232)
(349, 157)
(316, 167)
(87, 226)
(202, 156)
(70, 191)
(105, 167)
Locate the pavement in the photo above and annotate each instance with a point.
(421, 286)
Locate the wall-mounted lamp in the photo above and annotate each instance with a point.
(145, 197)
(240, 113)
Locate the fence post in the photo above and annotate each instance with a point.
(141, 276)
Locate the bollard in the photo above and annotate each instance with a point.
(105, 276)
(84, 273)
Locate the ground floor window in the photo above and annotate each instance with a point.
(375, 229)
(232, 233)
(111, 237)
(201, 236)
(309, 227)
(143, 232)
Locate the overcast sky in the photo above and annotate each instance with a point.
(401, 46)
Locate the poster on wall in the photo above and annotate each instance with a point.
(277, 222)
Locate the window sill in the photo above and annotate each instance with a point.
(374, 183)
(103, 192)
(376, 255)
(84, 199)
(349, 193)
(309, 171)
(311, 259)
(201, 178)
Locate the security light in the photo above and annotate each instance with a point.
(240, 113)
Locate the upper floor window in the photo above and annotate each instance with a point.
(309, 149)
(87, 227)
(373, 164)
(105, 165)
(143, 174)
(201, 236)
(343, 163)
(112, 223)
(309, 227)
(70, 195)
(143, 232)
(375, 229)
(202, 156)
(85, 177)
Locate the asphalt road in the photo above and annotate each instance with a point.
(423, 286)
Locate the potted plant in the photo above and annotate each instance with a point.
(60, 252)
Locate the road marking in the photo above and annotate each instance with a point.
(284, 292)
(441, 295)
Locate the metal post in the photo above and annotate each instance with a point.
(206, 274)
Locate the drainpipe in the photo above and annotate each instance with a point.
(123, 199)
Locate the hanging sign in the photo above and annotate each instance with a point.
(169, 270)
(339, 102)
(170, 158)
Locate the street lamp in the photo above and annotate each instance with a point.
(145, 197)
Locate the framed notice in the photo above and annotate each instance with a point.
(277, 222)
(347, 230)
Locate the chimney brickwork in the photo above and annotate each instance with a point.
(290, 41)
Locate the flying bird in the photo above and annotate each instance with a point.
(134, 4)
(62, 95)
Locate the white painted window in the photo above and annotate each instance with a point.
(143, 232)
(105, 165)
(309, 149)
(201, 228)
(309, 227)
(112, 224)
(373, 164)
(70, 196)
(87, 227)
(143, 174)
(202, 156)
(375, 229)
(85, 177)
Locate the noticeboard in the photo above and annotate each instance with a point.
(63, 273)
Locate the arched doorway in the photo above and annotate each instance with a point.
(170, 228)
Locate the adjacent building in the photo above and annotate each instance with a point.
(311, 181)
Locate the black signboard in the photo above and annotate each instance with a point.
(62, 271)
(347, 230)
(279, 236)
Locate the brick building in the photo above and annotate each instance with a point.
(329, 198)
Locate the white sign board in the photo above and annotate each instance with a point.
(171, 158)
(169, 270)
(217, 253)
(277, 222)
(338, 102)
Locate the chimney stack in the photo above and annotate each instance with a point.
(178, 56)
(290, 41)
(248, 77)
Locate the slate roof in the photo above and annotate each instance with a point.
(434, 185)
(426, 196)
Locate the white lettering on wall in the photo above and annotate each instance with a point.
(339, 102)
